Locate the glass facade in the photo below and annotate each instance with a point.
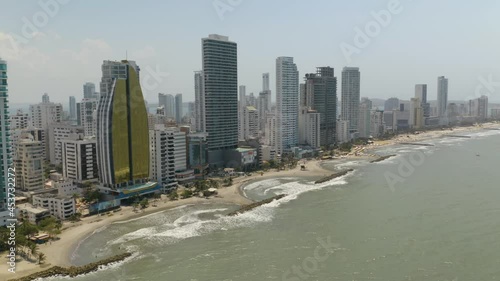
(5, 145)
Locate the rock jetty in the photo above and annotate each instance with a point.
(249, 207)
(73, 270)
(333, 176)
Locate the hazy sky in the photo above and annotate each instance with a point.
(423, 40)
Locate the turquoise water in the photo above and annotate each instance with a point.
(437, 218)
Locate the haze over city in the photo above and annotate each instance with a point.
(424, 40)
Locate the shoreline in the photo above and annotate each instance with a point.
(59, 253)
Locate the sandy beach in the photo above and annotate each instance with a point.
(59, 252)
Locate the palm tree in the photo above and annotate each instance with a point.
(41, 258)
(33, 248)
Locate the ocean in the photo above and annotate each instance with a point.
(429, 213)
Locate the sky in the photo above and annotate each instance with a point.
(55, 46)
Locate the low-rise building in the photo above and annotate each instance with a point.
(32, 213)
(62, 207)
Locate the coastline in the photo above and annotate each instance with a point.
(59, 252)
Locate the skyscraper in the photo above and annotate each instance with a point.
(122, 127)
(321, 91)
(351, 82)
(242, 103)
(442, 96)
(220, 69)
(45, 98)
(168, 102)
(421, 94)
(287, 104)
(72, 108)
(178, 108)
(5, 148)
(199, 101)
(265, 81)
(89, 90)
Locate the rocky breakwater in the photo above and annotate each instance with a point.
(249, 207)
(333, 176)
(73, 270)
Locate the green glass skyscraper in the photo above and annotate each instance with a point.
(122, 127)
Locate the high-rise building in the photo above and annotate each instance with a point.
(220, 70)
(364, 129)
(391, 104)
(250, 123)
(287, 104)
(168, 103)
(264, 107)
(479, 108)
(265, 82)
(321, 94)
(5, 147)
(421, 94)
(19, 121)
(167, 155)
(416, 120)
(442, 96)
(351, 83)
(377, 123)
(199, 101)
(178, 108)
(57, 132)
(343, 128)
(271, 131)
(29, 164)
(242, 104)
(45, 98)
(309, 127)
(197, 153)
(122, 127)
(87, 116)
(72, 108)
(79, 159)
(44, 114)
(89, 90)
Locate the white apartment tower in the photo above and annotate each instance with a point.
(19, 121)
(44, 114)
(29, 164)
(79, 159)
(287, 104)
(57, 133)
(167, 155)
(87, 116)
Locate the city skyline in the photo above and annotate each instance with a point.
(45, 58)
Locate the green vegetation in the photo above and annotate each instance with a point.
(91, 195)
(173, 195)
(186, 194)
(144, 203)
